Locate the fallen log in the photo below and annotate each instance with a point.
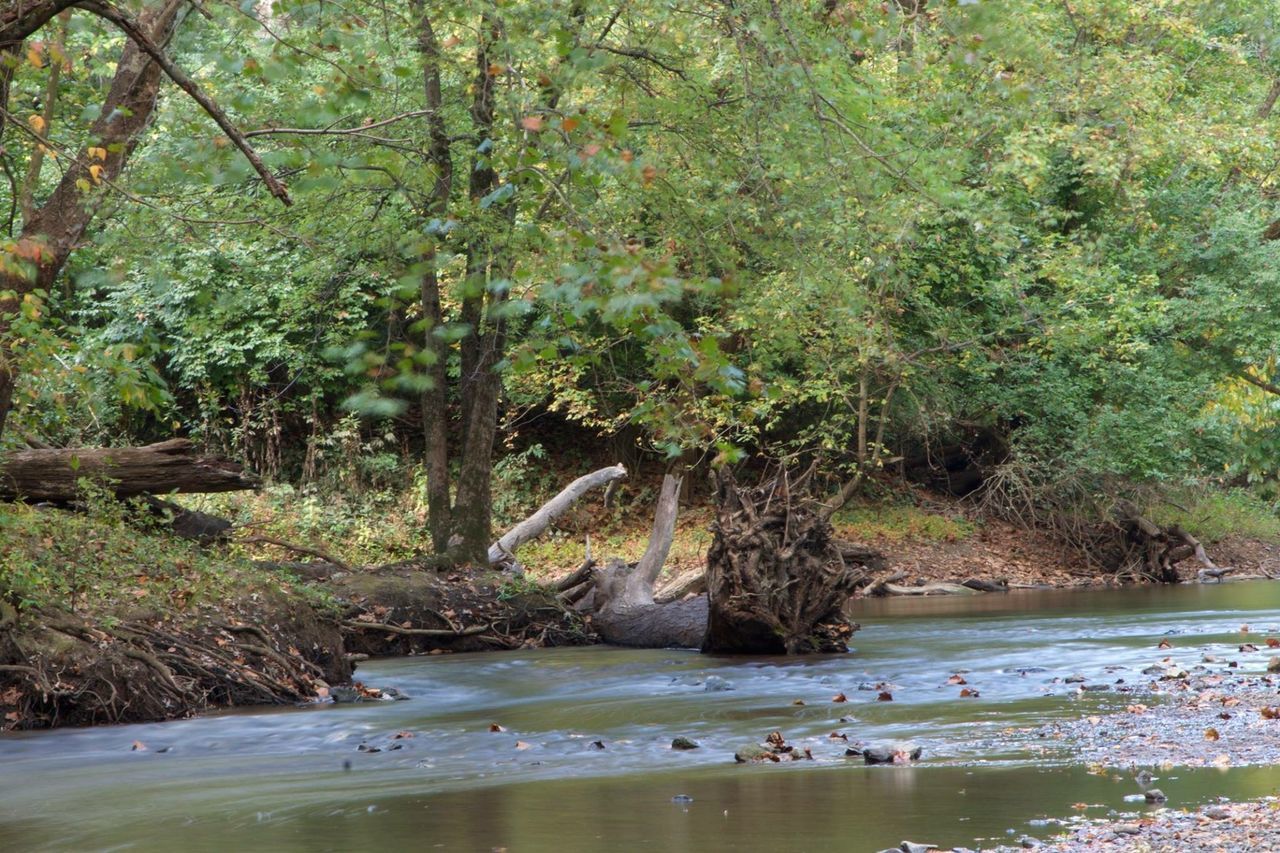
(676, 624)
(176, 465)
(937, 588)
(622, 603)
(503, 551)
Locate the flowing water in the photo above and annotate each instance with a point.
(584, 763)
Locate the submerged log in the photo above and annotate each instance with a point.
(176, 465)
(777, 579)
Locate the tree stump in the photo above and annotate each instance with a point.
(777, 579)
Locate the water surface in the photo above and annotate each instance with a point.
(296, 779)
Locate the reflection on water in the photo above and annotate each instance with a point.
(276, 780)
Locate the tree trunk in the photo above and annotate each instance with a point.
(624, 612)
(532, 527)
(170, 466)
(435, 400)
(777, 580)
(677, 624)
(640, 582)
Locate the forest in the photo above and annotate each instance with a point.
(336, 331)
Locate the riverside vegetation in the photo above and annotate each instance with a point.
(863, 297)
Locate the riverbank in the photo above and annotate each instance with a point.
(105, 617)
(108, 618)
(1225, 826)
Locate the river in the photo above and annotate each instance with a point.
(583, 760)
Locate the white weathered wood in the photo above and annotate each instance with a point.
(532, 527)
(642, 579)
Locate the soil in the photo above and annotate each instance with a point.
(1000, 550)
(59, 668)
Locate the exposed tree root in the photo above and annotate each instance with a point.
(73, 672)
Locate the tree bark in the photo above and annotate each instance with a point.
(435, 400)
(176, 465)
(533, 526)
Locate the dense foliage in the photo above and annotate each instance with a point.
(852, 230)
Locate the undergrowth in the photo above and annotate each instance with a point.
(111, 558)
(1212, 514)
(896, 522)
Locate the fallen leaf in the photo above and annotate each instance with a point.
(968, 693)
(523, 745)
(839, 697)
(1165, 644)
(494, 727)
(569, 125)
(1270, 712)
(1210, 734)
(956, 679)
(885, 696)
(138, 746)
(533, 124)
(1273, 643)
(838, 736)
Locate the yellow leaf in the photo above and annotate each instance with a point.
(37, 123)
(34, 57)
(98, 153)
(95, 171)
(83, 185)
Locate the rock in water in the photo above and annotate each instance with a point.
(1155, 795)
(917, 847)
(891, 754)
(683, 743)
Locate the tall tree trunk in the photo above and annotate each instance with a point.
(435, 400)
(485, 335)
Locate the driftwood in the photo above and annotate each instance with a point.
(692, 584)
(777, 580)
(936, 588)
(503, 551)
(176, 465)
(676, 624)
(1153, 552)
(622, 605)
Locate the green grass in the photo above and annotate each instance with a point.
(897, 522)
(112, 559)
(1213, 514)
